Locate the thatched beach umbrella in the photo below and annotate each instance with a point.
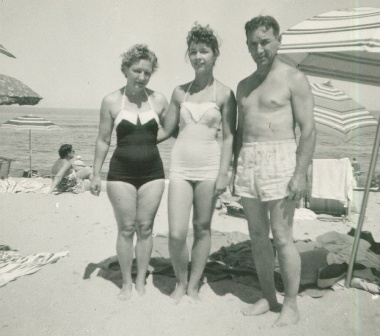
(30, 122)
(345, 45)
(13, 91)
(4, 51)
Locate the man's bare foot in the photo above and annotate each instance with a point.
(261, 307)
(289, 315)
(140, 288)
(193, 294)
(178, 293)
(125, 293)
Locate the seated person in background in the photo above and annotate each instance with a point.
(65, 177)
(78, 163)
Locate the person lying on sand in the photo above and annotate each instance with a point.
(67, 177)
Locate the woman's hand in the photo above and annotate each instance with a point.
(96, 185)
(221, 184)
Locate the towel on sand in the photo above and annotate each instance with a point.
(34, 185)
(13, 264)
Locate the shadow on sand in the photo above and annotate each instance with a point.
(225, 272)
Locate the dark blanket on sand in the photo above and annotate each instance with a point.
(231, 259)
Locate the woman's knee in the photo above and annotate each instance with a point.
(144, 229)
(201, 228)
(177, 237)
(127, 231)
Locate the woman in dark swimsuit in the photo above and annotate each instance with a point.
(135, 181)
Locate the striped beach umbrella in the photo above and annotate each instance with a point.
(338, 114)
(4, 51)
(341, 44)
(344, 45)
(13, 91)
(30, 122)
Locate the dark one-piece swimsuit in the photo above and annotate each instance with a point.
(136, 159)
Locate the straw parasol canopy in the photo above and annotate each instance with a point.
(4, 51)
(13, 91)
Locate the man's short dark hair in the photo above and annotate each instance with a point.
(64, 150)
(262, 21)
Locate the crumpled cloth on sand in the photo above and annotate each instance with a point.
(340, 246)
(24, 185)
(13, 264)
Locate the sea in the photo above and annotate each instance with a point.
(79, 127)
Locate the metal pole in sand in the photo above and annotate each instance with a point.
(30, 152)
(372, 166)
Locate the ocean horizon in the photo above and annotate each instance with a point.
(79, 127)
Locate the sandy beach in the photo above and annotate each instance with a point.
(75, 297)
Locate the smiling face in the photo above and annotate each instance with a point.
(138, 74)
(201, 56)
(263, 45)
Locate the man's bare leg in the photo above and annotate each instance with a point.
(258, 224)
(281, 214)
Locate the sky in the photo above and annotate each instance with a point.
(69, 50)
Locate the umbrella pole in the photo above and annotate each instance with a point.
(30, 153)
(355, 247)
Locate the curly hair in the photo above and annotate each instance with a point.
(262, 21)
(136, 53)
(64, 150)
(203, 34)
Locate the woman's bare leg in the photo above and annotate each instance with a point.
(204, 206)
(148, 200)
(180, 200)
(123, 199)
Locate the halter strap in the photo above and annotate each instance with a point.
(149, 101)
(214, 89)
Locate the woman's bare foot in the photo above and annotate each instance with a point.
(178, 293)
(193, 294)
(289, 315)
(140, 288)
(125, 293)
(261, 307)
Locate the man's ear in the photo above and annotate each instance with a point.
(280, 38)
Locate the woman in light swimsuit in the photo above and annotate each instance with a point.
(135, 181)
(199, 165)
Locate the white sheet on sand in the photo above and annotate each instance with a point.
(13, 264)
(30, 185)
(332, 179)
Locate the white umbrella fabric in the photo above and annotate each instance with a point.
(338, 114)
(345, 45)
(30, 122)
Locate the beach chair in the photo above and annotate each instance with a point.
(330, 184)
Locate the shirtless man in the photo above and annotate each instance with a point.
(270, 167)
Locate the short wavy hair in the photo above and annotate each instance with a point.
(203, 34)
(136, 53)
(262, 21)
(64, 150)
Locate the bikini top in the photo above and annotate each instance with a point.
(136, 127)
(136, 117)
(207, 113)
